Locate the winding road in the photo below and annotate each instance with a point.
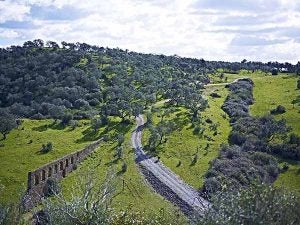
(162, 178)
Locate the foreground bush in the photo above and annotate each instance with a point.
(261, 204)
(89, 204)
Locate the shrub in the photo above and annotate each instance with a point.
(274, 71)
(215, 95)
(47, 148)
(66, 118)
(120, 139)
(195, 160)
(124, 167)
(196, 130)
(279, 110)
(52, 187)
(235, 168)
(285, 166)
(259, 204)
(89, 205)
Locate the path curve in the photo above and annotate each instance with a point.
(162, 178)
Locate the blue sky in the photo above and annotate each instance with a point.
(229, 30)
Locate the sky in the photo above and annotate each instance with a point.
(228, 30)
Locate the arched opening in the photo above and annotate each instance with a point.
(50, 172)
(72, 160)
(43, 174)
(61, 165)
(67, 162)
(55, 168)
(36, 179)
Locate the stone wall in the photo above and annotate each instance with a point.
(56, 170)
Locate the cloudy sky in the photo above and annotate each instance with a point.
(230, 30)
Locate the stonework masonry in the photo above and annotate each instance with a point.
(56, 170)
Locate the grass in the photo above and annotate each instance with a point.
(270, 91)
(182, 145)
(132, 191)
(19, 155)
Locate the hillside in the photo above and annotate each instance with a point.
(203, 123)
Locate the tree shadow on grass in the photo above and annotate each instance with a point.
(181, 122)
(110, 130)
(53, 126)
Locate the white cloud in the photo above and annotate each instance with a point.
(12, 11)
(214, 30)
(9, 34)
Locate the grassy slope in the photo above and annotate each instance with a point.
(182, 144)
(18, 156)
(132, 192)
(270, 91)
(280, 90)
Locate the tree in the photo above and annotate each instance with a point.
(47, 148)
(66, 118)
(7, 122)
(52, 44)
(120, 139)
(259, 204)
(96, 123)
(274, 71)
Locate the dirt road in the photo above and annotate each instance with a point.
(163, 180)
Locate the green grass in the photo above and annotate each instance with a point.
(132, 191)
(270, 91)
(19, 156)
(182, 144)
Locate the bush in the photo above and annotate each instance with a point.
(124, 167)
(215, 95)
(120, 139)
(259, 204)
(279, 110)
(52, 187)
(285, 166)
(47, 148)
(90, 205)
(66, 118)
(274, 71)
(196, 130)
(235, 168)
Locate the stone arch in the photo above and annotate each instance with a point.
(72, 160)
(36, 179)
(67, 162)
(50, 171)
(61, 165)
(55, 168)
(43, 175)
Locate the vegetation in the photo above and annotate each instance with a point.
(241, 166)
(258, 204)
(214, 134)
(46, 148)
(184, 144)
